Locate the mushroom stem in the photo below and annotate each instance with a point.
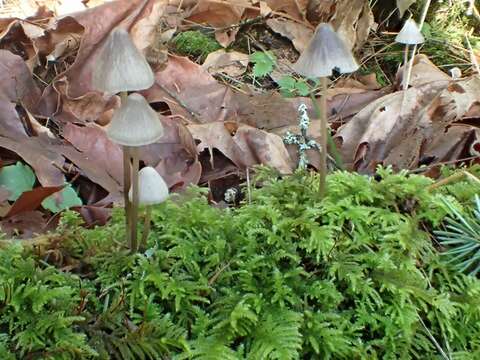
(126, 180)
(134, 210)
(146, 228)
(323, 137)
(126, 188)
(414, 50)
(405, 66)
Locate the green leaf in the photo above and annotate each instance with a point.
(17, 179)
(264, 63)
(302, 88)
(69, 198)
(287, 82)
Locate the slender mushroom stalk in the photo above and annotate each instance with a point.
(134, 201)
(134, 124)
(127, 173)
(121, 68)
(414, 50)
(152, 189)
(325, 52)
(409, 35)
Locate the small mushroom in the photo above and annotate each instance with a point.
(120, 66)
(152, 190)
(134, 124)
(409, 35)
(325, 52)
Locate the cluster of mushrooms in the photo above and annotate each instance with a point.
(121, 69)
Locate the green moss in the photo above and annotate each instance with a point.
(355, 276)
(195, 44)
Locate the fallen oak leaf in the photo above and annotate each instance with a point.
(31, 200)
(232, 63)
(41, 156)
(25, 224)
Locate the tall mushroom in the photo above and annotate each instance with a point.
(409, 35)
(152, 190)
(325, 52)
(134, 124)
(121, 68)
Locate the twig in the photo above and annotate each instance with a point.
(181, 103)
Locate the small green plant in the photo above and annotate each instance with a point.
(195, 43)
(290, 87)
(461, 237)
(264, 63)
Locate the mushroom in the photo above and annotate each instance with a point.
(121, 68)
(134, 124)
(409, 35)
(325, 52)
(152, 190)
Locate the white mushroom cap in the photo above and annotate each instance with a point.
(410, 34)
(135, 123)
(120, 66)
(152, 189)
(326, 51)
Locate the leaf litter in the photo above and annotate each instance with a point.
(220, 117)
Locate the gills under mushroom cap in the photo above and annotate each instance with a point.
(410, 34)
(120, 66)
(152, 189)
(135, 123)
(325, 52)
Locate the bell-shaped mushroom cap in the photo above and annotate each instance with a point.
(135, 123)
(326, 51)
(120, 66)
(152, 189)
(410, 34)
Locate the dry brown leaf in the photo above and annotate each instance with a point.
(244, 145)
(394, 131)
(218, 13)
(31, 200)
(94, 143)
(423, 72)
(16, 82)
(24, 225)
(297, 9)
(232, 63)
(174, 155)
(298, 33)
(264, 148)
(191, 92)
(353, 20)
(217, 135)
(37, 152)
